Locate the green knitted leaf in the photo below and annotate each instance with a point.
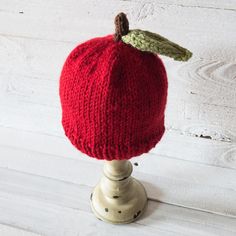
(155, 43)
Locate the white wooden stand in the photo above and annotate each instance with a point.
(118, 198)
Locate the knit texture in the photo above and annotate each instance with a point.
(155, 43)
(113, 99)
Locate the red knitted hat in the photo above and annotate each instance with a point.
(113, 97)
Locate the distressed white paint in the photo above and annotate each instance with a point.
(166, 179)
(51, 207)
(7, 230)
(194, 164)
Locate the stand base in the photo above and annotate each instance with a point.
(126, 206)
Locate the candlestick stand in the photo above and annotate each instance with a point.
(118, 198)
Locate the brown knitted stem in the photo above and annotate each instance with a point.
(122, 26)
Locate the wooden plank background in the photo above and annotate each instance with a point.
(193, 166)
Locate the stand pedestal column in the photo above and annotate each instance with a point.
(118, 198)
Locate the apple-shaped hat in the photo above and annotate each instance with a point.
(113, 92)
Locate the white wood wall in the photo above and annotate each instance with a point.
(193, 166)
